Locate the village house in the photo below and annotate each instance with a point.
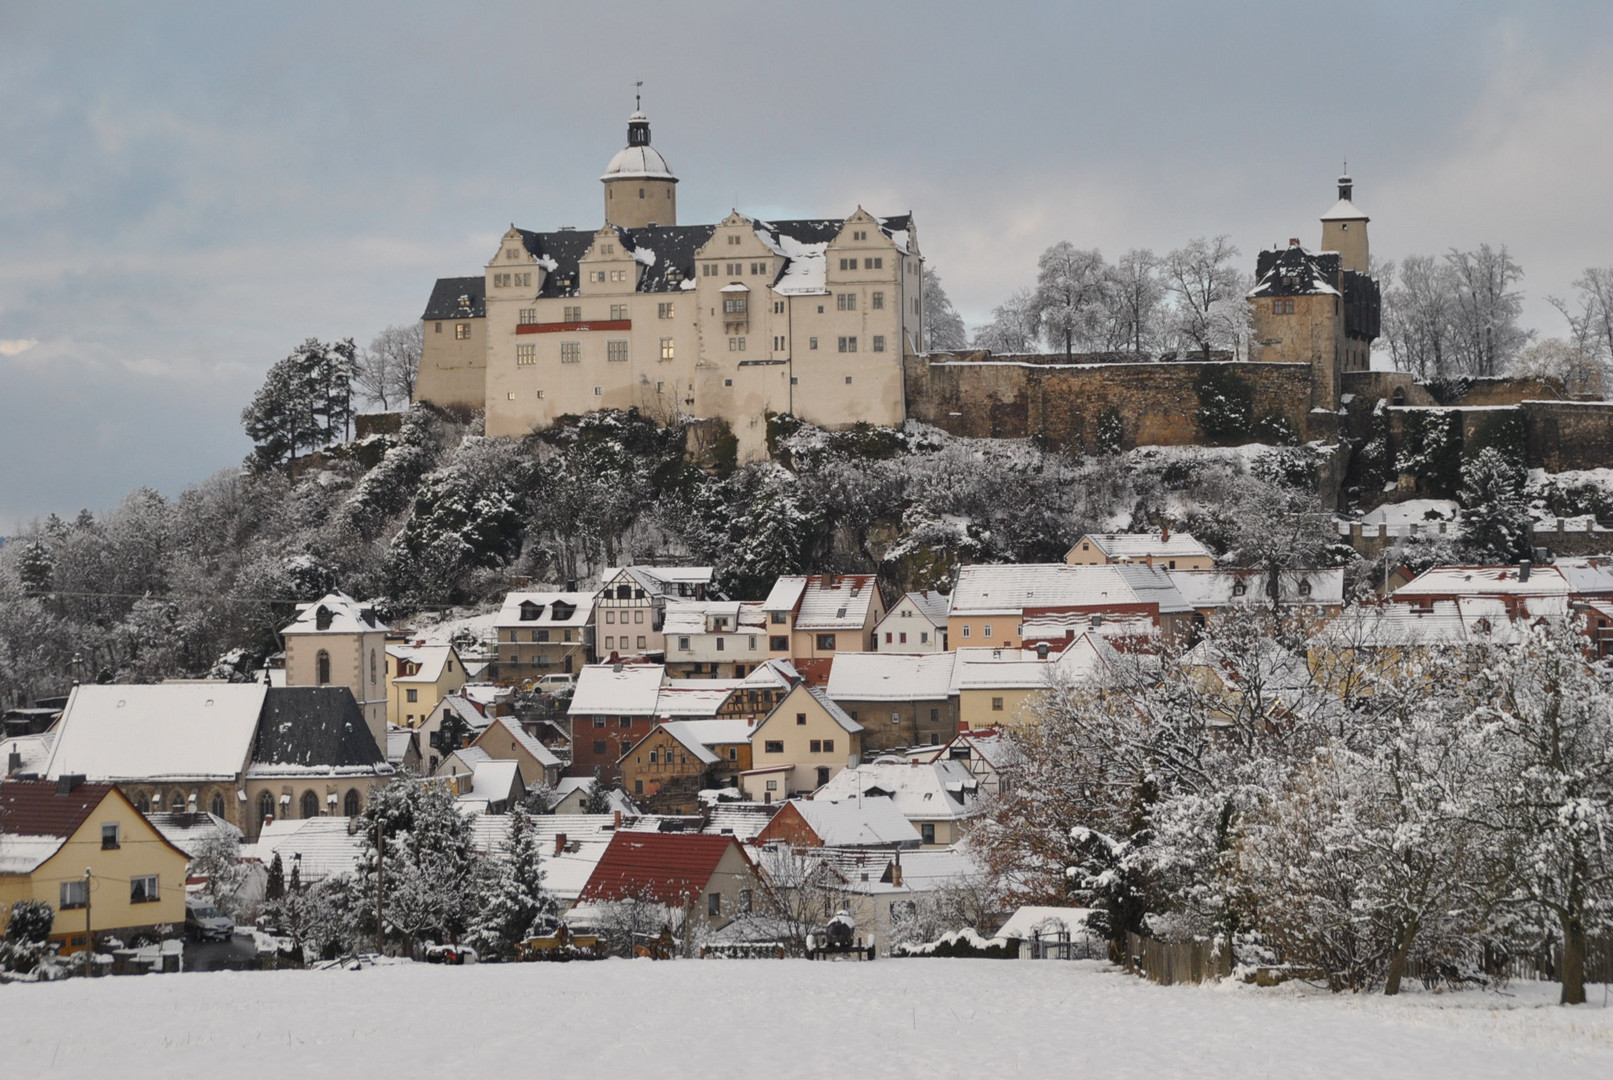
(871, 821)
(1158, 547)
(985, 752)
(822, 615)
(710, 877)
(403, 749)
(991, 603)
(668, 769)
(937, 797)
(418, 676)
(455, 721)
(995, 687)
(900, 700)
(717, 639)
(613, 708)
(542, 633)
(800, 746)
(86, 851)
(1319, 593)
(506, 740)
(630, 610)
(915, 624)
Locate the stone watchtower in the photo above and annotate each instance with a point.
(336, 641)
(1318, 308)
(640, 189)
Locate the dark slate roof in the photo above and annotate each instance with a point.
(315, 726)
(1293, 271)
(446, 296)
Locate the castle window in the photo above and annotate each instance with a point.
(848, 344)
(848, 264)
(778, 343)
(500, 280)
(641, 193)
(570, 352)
(848, 380)
(438, 330)
(734, 306)
(874, 264)
(879, 342)
(616, 351)
(728, 382)
(878, 301)
(350, 805)
(526, 355)
(735, 269)
(812, 343)
(778, 307)
(733, 239)
(1282, 307)
(607, 249)
(596, 275)
(310, 805)
(736, 344)
(846, 301)
(618, 312)
(322, 668)
(599, 391)
(265, 807)
(462, 331)
(663, 311)
(860, 234)
(758, 268)
(666, 348)
(529, 316)
(572, 314)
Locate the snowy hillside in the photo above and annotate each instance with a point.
(892, 1018)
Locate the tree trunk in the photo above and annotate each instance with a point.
(1397, 960)
(1573, 965)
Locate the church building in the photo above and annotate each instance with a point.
(731, 321)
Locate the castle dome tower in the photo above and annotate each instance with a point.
(640, 189)
(1344, 229)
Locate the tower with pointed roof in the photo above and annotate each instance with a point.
(640, 189)
(1344, 229)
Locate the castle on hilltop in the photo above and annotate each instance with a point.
(728, 321)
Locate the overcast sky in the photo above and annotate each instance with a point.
(188, 191)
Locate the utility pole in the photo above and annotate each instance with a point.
(380, 883)
(89, 938)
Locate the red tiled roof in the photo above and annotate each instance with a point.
(815, 672)
(32, 807)
(667, 868)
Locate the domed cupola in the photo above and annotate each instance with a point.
(640, 189)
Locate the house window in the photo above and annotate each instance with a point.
(800, 718)
(570, 352)
(996, 704)
(734, 305)
(714, 904)
(109, 836)
(143, 889)
(638, 787)
(744, 899)
(879, 342)
(965, 629)
(664, 311)
(462, 331)
(526, 355)
(599, 721)
(1239, 588)
(655, 756)
(848, 344)
(733, 753)
(878, 301)
(720, 646)
(985, 631)
(640, 642)
(626, 721)
(903, 637)
(529, 315)
(412, 696)
(826, 641)
(927, 833)
(773, 746)
(777, 643)
(772, 785)
(683, 644)
(666, 348)
(846, 301)
(572, 314)
(310, 805)
(815, 746)
(924, 637)
(75, 894)
(599, 746)
(618, 312)
(438, 329)
(322, 668)
(812, 343)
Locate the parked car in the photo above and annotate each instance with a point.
(560, 683)
(204, 922)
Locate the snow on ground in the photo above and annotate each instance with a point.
(891, 1018)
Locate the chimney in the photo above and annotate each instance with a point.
(1293, 241)
(1523, 571)
(571, 586)
(616, 820)
(1164, 534)
(14, 763)
(67, 782)
(559, 843)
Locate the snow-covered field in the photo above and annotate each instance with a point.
(892, 1018)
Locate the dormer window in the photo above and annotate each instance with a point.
(531, 612)
(1239, 588)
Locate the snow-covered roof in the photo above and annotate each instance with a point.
(33, 752)
(836, 602)
(890, 677)
(785, 594)
(1440, 622)
(923, 791)
(743, 820)
(1045, 920)
(933, 605)
(1485, 581)
(1345, 210)
(494, 780)
(694, 617)
(638, 163)
(335, 613)
(1220, 588)
(1011, 588)
(1587, 577)
(1413, 511)
(690, 698)
(429, 661)
(1000, 669)
(168, 731)
(188, 832)
(1152, 544)
(325, 844)
(617, 689)
(398, 741)
(537, 609)
(678, 730)
(866, 822)
(724, 732)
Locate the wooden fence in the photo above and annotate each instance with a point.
(1542, 966)
(1171, 962)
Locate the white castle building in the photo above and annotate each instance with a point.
(730, 321)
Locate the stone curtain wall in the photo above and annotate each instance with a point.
(1156, 402)
(1569, 434)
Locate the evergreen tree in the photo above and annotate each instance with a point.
(515, 905)
(597, 801)
(1495, 519)
(275, 888)
(34, 568)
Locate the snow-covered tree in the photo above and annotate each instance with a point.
(515, 905)
(1207, 293)
(1487, 306)
(1134, 303)
(1072, 286)
(385, 372)
(943, 326)
(218, 860)
(1015, 325)
(1495, 519)
(431, 868)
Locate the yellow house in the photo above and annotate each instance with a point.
(87, 852)
(418, 676)
(800, 746)
(1158, 547)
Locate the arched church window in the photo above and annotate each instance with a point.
(265, 807)
(217, 806)
(350, 805)
(142, 804)
(310, 804)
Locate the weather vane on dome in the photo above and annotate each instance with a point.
(638, 103)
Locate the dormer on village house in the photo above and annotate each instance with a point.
(513, 272)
